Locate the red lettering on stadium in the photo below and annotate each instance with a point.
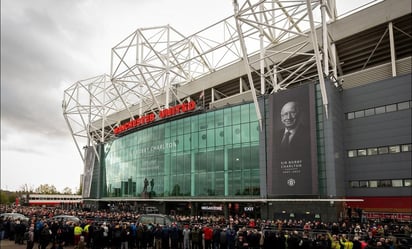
(149, 118)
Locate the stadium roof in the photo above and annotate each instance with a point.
(265, 47)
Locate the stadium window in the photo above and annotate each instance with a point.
(391, 108)
(385, 183)
(354, 184)
(361, 152)
(363, 184)
(407, 182)
(370, 112)
(406, 147)
(383, 150)
(350, 115)
(394, 149)
(397, 183)
(373, 184)
(380, 110)
(360, 114)
(403, 105)
(372, 151)
(352, 153)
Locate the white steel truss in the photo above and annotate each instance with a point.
(149, 65)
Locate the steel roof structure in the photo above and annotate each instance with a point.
(265, 47)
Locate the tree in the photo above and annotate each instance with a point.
(7, 197)
(25, 188)
(46, 189)
(67, 191)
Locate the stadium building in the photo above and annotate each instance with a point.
(283, 110)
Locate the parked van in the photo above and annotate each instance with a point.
(154, 219)
(149, 210)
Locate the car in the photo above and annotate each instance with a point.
(66, 218)
(14, 216)
(154, 219)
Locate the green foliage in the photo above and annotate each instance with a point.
(7, 197)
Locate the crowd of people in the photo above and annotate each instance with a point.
(120, 230)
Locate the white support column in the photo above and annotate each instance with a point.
(246, 63)
(262, 54)
(168, 86)
(392, 45)
(325, 38)
(314, 41)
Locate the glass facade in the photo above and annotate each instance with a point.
(210, 154)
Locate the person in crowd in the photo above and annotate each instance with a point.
(30, 239)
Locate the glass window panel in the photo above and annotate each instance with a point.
(383, 150)
(187, 164)
(186, 125)
(252, 113)
(397, 183)
(179, 143)
(246, 161)
(245, 129)
(200, 162)
(354, 184)
(219, 136)
(219, 160)
(202, 122)
(380, 110)
(403, 105)
(352, 153)
(202, 139)
(385, 183)
(407, 182)
(228, 135)
(235, 183)
(236, 115)
(254, 131)
(244, 110)
(173, 128)
(360, 114)
(372, 151)
(187, 142)
(195, 140)
(194, 121)
(361, 152)
(210, 117)
(394, 149)
(180, 126)
(391, 108)
(219, 118)
(246, 183)
(227, 116)
(406, 147)
(370, 112)
(234, 156)
(254, 157)
(373, 184)
(350, 115)
(363, 184)
(211, 138)
(236, 134)
(180, 164)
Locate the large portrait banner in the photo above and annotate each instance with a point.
(291, 166)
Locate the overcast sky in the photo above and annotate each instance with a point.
(46, 46)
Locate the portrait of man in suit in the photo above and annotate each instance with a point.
(292, 136)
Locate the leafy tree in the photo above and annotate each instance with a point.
(46, 189)
(25, 188)
(7, 197)
(80, 190)
(67, 191)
